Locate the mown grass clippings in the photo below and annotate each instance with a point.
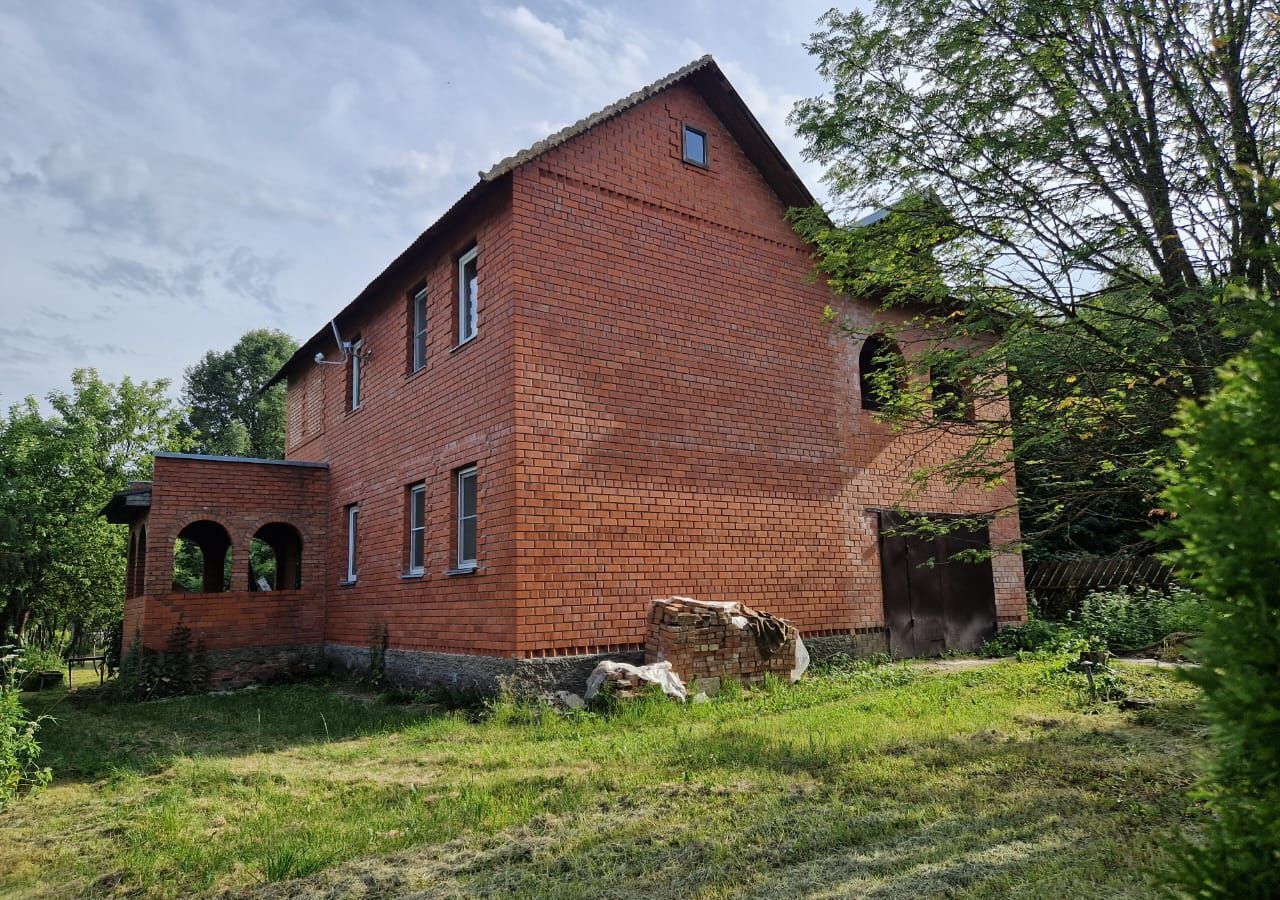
(877, 781)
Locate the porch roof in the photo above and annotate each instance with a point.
(129, 505)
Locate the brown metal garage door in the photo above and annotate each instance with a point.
(933, 603)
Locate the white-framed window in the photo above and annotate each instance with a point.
(417, 528)
(353, 530)
(466, 529)
(357, 372)
(695, 146)
(419, 329)
(468, 295)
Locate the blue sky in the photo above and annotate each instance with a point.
(174, 174)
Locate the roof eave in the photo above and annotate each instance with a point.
(752, 136)
(308, 348)
(715, 89)
(127, 506)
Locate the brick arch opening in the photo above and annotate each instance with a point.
(881, 368)
(136, 566)
(275, 558)
(202, 558)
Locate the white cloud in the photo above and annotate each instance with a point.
(598, 50)
(125, 277)
(415, 174)
(172, 175)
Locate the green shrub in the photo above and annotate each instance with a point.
(1227, 499)
(41, 659)
(19, 750)
(1036, 636)
(1119, 620)
(1132, 617)
(863, 672)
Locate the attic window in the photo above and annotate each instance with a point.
(695, 146)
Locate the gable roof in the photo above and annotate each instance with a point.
(703, 74)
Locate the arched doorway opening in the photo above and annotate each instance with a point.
(202, 558)
(275, 558)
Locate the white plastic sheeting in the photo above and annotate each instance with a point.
(802, 660)
(655, 673)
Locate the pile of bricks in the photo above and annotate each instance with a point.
(705, 647)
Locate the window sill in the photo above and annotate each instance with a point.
(413, 576)
(704, 168)
(347, 582)
(462, 570)
(467, 343)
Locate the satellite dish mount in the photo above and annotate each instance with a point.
(346, 348)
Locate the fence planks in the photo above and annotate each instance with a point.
(1061, 584)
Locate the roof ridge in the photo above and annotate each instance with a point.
(503, 166)
(720, 95)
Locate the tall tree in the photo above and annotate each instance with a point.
(59, 562)
(1086, 178)
(230, 413)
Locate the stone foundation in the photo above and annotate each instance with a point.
(475, 674)
(858, 645)
(227, 669)
(732, 649)
(261, 665)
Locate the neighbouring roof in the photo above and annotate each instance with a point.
(872, 218)
(703, 74)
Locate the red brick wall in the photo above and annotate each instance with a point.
(234, 620)
(420, 427)
(242, 497)
(686, 424)
(653, 403)
(134, 608)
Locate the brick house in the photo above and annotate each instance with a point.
(601, 377)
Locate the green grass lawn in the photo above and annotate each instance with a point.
(1000, 781)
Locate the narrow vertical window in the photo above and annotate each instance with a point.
(419, 329)
(357, 373)
(353, 523)
(417, 528)
(468, 296)
(695, 146)
(466, 531)
(881, 372)
(952, 393)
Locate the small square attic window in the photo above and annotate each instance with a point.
(695, 146)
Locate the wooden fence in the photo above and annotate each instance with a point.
(1060, 585)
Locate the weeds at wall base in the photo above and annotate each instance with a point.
(379, 640)
(146, 674)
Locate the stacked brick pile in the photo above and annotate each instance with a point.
(705, 647)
